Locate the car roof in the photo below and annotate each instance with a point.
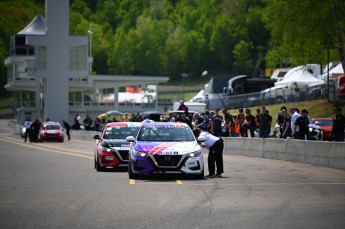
(315, 119)
(172, 124)
(124, 124)
(50, 123)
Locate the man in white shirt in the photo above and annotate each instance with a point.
(27, 125)
(215, 155)
(294, 117)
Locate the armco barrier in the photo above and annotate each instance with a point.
(329, 154)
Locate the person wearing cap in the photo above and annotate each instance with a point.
(215, 145)
(338, 126)
(199, 121)
(183, 107)
(303, 123)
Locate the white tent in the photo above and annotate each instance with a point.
(336, 70)
(298, 76)
(198, 97)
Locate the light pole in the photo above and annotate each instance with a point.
(90, 46)
(184, 75)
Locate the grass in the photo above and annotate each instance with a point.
(316, 109)
(6, 101)
(177, 96)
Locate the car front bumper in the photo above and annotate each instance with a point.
(179, 164)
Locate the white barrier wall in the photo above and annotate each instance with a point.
(330, 154)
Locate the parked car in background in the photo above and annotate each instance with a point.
(51, 131)
(112, 147)
(326, 127)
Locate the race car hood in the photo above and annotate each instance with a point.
(163, 148)
(326, 128)
(117, 143)
(51, 131)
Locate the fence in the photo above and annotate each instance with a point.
(275, 96)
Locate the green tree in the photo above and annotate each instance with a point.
(243, 61)
(302, 30)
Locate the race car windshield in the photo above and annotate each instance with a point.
(325, 122)
(165, 133)
(120, 132)
(52, 127)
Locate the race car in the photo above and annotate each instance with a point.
(112, 147)
(51, 131)
(165, 147)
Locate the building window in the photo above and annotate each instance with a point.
(19, 70)
(28, 99)
(10, 71)
(78, 58)
(41, 57)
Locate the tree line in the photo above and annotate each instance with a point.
(170, 37)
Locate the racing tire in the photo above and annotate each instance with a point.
(200, 176)
(131, 175)
(98, 166)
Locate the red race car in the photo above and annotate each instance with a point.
(112, 147)
(51, 131)
(326, 126)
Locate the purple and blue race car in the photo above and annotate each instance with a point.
(164, 147)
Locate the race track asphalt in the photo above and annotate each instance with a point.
(54, 185)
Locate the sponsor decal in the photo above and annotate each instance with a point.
(162, 148)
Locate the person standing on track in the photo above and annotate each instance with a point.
(27, 125)
(215, 155)
(68, 128)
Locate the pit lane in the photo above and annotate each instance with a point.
(55, 185)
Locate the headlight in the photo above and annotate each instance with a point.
(195, 154)
(139, 154)
(104, 149)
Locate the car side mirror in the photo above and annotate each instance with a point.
(96, 137)
(130, 139)
(201, 139)
(316, 122)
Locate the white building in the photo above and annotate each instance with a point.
(49, 71)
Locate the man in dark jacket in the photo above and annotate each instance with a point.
(303, 123)
(338, 126)
(34, 130)
(249, 124)
(68, 128)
